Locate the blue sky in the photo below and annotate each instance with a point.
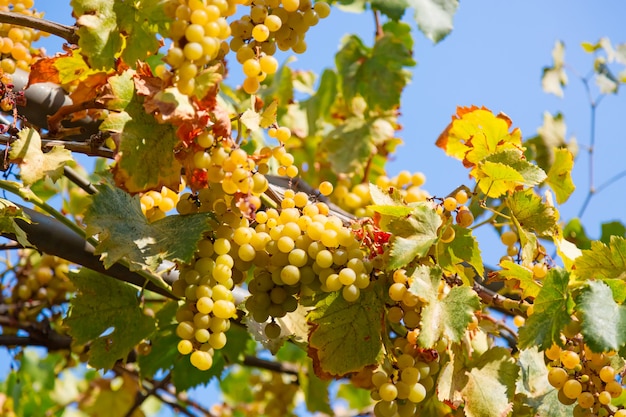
(493, 57)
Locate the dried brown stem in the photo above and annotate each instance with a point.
(69, 33)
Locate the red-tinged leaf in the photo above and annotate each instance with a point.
(34, 164)
(335, 322)
(476, 133)
(44, 70)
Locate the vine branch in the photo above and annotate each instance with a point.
(69, 33)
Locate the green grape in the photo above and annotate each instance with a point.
(417, 393)
(388, 391)
(272, 330)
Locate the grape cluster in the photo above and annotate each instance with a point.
(198, 35)
(356, 198)
(271, 24)
(450, 205)
(41, 278)
(406, 383)
(155, 204)
(584, 377)
(15, 41)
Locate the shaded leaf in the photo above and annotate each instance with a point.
(335, 322)
(574, 232)
(101, 304)
(125, 233)
(609, 229)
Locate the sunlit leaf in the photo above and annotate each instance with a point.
(511, 270)
(603, 261)
(560, 175)
(532, 213)
(9, 213)
(33, 162)
(448, 316)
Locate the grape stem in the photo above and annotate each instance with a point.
(69, 33)
(505, 304)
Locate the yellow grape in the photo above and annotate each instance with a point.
(569, 359)
(557, 377)
(509, 238)
(449, 203)
(572, 389)
(461, 197)
(322, 9)
(201, 360)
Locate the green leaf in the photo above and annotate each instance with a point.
(533, 384)
(236, 387)
(602, 261)
(575, 232)
(334, 321)
(34, 164)
(533, 378)
(610, 229)
(101, 304)
(99, 37)
(551, 313)
(560, 175)
(491, 384)
(394, 9)
(434, 17)
(315, 390)
(186, 376)
(531, 174)
(357, 398)
(350, 145)
(511, 270)
(164, 343)
(125, 233)
(603, 320)
(145, 158)
(413, 236)
(140, 22)
(9, 213)
(318, 107)
(376, 74)
(532, 213)
(463, 250)
(550, 138)
(448, 316)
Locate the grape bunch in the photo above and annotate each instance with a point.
(449, 206)
(198, 35)
(589, 379)
(271, 24)
(41, 278)
(16, 49)
(356, 198)
(401, 386)
(155, 204)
